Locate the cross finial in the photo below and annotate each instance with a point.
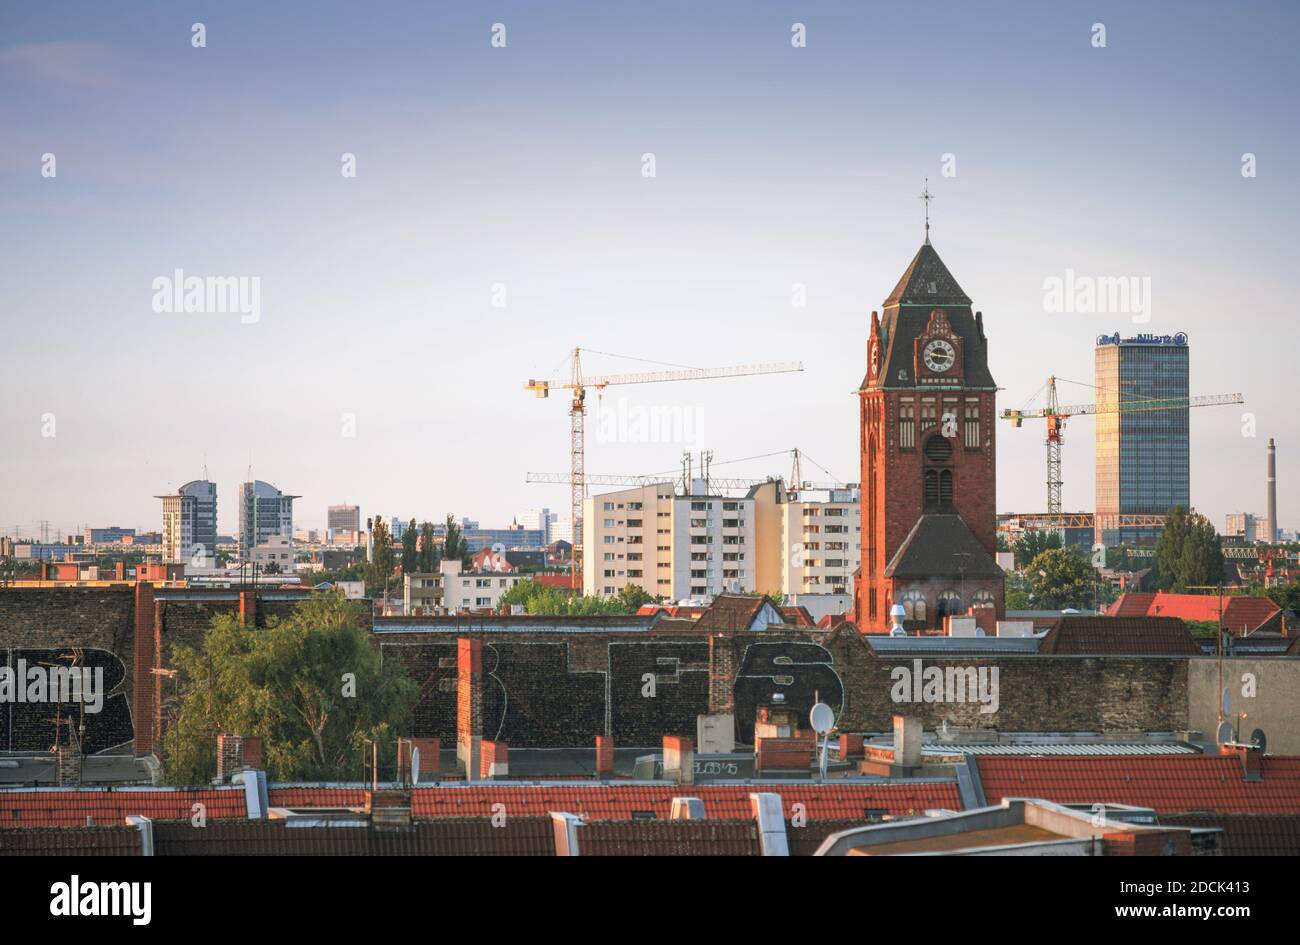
(927, 197)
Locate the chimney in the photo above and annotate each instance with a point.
(604, 757)
(851, 746)
(495, 760)
(430, 756)
(248, 608)
(679, 759)
(907, 741)
(1272, 491)
(119, 571)
(1252, 762)
(67, 754)
(236, 753)
(469, 705)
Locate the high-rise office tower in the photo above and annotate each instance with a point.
(263, 511)
(190, 523)
(1143, 458)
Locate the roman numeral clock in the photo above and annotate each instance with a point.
(937, 355)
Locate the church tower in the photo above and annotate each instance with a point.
(928, 463)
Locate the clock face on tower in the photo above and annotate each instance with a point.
(939, 356)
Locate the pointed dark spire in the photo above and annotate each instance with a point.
(927, 281)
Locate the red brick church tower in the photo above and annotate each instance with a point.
(928, 463)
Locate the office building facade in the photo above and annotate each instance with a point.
(1143, 456)
(189, 532)
(264, 511)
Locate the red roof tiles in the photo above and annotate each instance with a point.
(69, 807)
(622, 801)
(1241, 614)
(1168, 784)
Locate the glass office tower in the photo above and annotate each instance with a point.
(1143, 459)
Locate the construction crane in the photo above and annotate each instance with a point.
(1056, 416)
(579, 385)
(794, 485)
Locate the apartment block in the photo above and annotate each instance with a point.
(672, 546)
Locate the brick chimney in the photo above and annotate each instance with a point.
(248, 608)
(495, 760)
(679, 759)
(237, 753)
(67, 756)
(469, 706)
(604, 756)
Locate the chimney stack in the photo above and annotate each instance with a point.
(1272, 491)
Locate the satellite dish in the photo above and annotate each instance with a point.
(1259, 739)
(415, 766)
(822, 718)
(1227, 700)
(1225, 732)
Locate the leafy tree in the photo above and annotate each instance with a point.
(428, 558)
(776, 598)
(410, 555)
(1188, 553)
(633, 597)
(311, 686)
(1003, 545)
(538, 598)
(1033, 543)
(454, 545)
(1058, 578)
(382, 558)
(271, 567)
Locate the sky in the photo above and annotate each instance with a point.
(501, 213)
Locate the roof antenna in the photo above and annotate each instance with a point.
(927, 197)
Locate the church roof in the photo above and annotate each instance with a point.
(937, 546)
(927, 281)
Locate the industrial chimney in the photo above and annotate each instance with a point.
(1272, 492)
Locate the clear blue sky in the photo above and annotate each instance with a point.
(522, 166)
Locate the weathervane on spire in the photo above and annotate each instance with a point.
(927, 197)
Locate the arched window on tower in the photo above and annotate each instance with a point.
(949, 605)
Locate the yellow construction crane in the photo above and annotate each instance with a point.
(579, 385)
(1056, 415)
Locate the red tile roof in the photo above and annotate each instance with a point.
(69, 807)
(621, 801)
(1241, 614)
(1168, 784)
(565, 582)
(798, 616)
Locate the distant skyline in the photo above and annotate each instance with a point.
(487, 174)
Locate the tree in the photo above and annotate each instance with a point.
(633, 597)
(272, 567)
(410, 555)
(311, 687)
(1033, 543)
(428, 559)
(1059, 578)
(1188, 553)
(454, 545)
(382, 558)
(538, 598)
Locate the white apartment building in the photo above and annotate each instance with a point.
(539, 520)
(805, 546)
(671, 546)
(277, 549)
(473, 590)
(822, 537)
